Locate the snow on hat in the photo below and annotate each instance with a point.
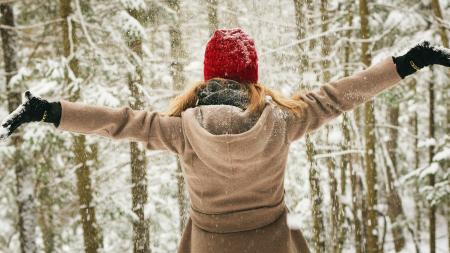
(231, 54)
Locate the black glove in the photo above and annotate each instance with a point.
(32, 110)
(422, 55)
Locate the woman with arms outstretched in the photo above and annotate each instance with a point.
(232, 135)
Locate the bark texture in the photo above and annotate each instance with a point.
(369, 134)
(178, 55)
(24, 175)
(91, 234)
(445, 42)
(139, 194)
(318, 238)
(395, 208)
(213, 20)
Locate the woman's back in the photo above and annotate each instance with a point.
(234, 165)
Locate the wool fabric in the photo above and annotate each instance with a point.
(231, 54)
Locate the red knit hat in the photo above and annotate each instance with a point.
(231, 54)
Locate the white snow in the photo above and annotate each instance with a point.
(426, 143)
(19, 110)
(442, 155)
(3, 133)
(243, 44)
(134, 4)
(430, 170)
(130, 25)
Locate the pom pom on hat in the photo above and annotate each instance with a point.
(231, 54)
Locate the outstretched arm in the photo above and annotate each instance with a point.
(158, 132)
(334, 98)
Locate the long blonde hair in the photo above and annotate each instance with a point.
(256, 92)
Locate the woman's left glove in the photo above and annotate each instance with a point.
(422, 55)
(34, 109)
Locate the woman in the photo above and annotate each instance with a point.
(232, 135)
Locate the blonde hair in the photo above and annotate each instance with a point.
(256, 92)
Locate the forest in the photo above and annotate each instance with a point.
(375, 179)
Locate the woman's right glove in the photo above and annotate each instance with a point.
(34, 109)
(422, 55)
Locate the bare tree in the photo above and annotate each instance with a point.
(91, 235)
(395, 208)
(178, 55)
(445, 42)
(347, 161)
(141, 233)
(335, 212)
(45, 213)
(369, 134)
(213, 20)
(24, 176)
(314, 180)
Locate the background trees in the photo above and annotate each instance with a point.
(387, 164)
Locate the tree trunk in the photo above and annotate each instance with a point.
(445, 42)
(346, 161)
(314, 176)
(230, 19)
(45, 207)
(24, 175)
(336, 211)
(91, 235)
(438, 13)
(336, 215)
(356, 209)
(178, 55)
(316, 198)
(369, 134)
(181, 197)
(141, 233)
(417, 199)
(431, 178)
(213, 20)
(316, 193)
(300, 22)
(395, 209)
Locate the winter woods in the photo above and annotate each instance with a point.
(374, 180)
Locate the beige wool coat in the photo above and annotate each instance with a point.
(233, 162)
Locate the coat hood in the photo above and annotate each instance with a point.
(235, 158)
(226, 129)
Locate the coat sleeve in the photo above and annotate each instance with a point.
(332, 99)
(157, 131)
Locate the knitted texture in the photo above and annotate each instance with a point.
(34, 109)
(422, 55)
(223, 92)
(231, 54)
